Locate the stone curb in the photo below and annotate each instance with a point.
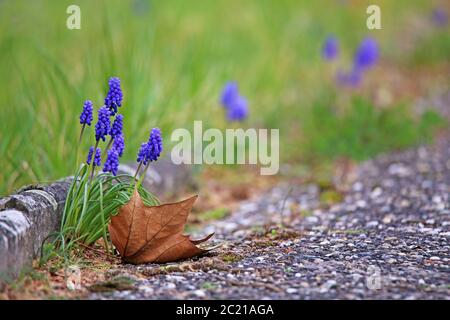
(33, 212)
(26, 219)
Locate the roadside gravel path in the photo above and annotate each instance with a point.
(388, 239)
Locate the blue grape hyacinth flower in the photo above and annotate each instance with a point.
(151, 150)
(440, 17)
(155, 145)
(86, 114)
(350, 79)
(113, 99)
(330, 50)
(229, 93)
(238, 110)
(97, 157)
(366, 55)
(112, 162)
(142, 154)
(103, 123)
(235, 105)
(117, 126)
(119, 144)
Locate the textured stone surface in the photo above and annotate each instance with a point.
(26, 219)
(15, 244)
(389, 238)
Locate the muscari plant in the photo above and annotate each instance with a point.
(236, 106)
(366, 56)
(97, 190)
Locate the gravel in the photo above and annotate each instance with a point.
(387, 239)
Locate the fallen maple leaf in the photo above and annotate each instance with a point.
(146, 234)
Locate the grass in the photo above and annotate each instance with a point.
(362, 131)
(215, 214)
(173, 57)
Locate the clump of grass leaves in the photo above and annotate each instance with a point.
(90, 203)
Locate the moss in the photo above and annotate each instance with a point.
(118, 283)
(305, 213)
(167, 269)
(215, 214)
(208, 286)
(330, 197)
(282, 234)
(231, 258)
(264, 244)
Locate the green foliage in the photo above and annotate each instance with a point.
(172, 57)
(215, 214)
(362, 130)
(434, 49)
(91, 202)
(330, 197)
(208, 285)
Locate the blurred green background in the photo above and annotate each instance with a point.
(173, 58)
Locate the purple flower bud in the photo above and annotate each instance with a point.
(97, 157)
(113, 99)
(117, 126)
(112, 162)
(229, 93)
(330, 49)
(103, 124)
(86, 114)
(119, 144)
(367, 54)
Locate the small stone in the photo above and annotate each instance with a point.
(404, 203)
(146, 289)
(291, 290)
(388, 219)
(330, 284)
(170, 285)
(392, 261)
(199, 293)
(437, 199)
(372, 224)
(357, 186)
(175, 278)
(361, 204)
(376, 193)
(312, 219)
(435, 258)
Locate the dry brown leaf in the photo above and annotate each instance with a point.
(145, 234)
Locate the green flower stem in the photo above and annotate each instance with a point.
(107, 147)
(92, 161)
